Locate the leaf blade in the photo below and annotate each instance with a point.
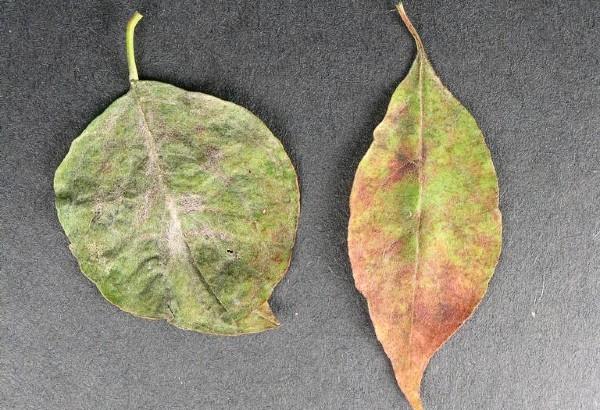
(423, 207)
(143, 209)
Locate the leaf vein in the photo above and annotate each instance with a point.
(150, 143)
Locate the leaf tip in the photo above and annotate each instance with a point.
(413, 396)
(415, 403)
(411, 388)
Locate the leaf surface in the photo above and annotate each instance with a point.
(181, 206)
(424, 233)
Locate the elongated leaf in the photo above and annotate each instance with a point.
(425, 230)
(180, 206)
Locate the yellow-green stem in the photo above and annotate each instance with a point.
(133, 74)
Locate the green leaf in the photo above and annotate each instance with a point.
(180, 206)
(424, 234)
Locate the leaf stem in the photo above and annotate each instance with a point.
(133, 74)
(411, 28)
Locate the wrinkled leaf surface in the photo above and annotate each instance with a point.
(425, 230)
(181, 206)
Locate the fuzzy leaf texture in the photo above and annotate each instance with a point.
(180, 206)
(424, 233)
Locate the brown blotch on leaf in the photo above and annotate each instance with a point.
(400, 167)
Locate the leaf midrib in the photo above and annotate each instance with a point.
(419, 205)
(170, 205)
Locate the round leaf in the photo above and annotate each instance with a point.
(181, 206)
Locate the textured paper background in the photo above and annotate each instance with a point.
(319, 73)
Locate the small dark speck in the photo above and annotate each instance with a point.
(229, 251)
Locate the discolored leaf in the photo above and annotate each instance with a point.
(424, 234)
(180, 206)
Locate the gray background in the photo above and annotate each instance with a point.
(319, 73)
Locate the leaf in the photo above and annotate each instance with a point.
(180, 206)
(424, 234)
